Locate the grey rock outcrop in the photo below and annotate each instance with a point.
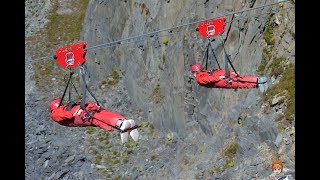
(198, 133)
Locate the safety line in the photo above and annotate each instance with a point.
(151, 34)
(184, 31)
(187, 24)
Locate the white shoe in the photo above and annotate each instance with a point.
(124, 136)
(134, 133)
(262, 80)
(263, 87)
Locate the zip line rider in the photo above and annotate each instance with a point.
(93, 115)
(217, 79)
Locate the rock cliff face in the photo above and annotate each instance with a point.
(190, 132)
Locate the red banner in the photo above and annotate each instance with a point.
(71, 56)
(212, 28)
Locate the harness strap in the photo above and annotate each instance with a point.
(206, 55)
(70, 75)
(88, 116)
(70, 103)
(84, 88)
(227, 59)
(226, 63)
(214, 55)
(255, 82)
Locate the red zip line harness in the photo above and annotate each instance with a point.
(210, 29)
(71, 57)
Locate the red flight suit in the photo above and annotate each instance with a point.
(66, 118)
(203, 78)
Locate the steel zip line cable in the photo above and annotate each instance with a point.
(166, 29)
(171, 33)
